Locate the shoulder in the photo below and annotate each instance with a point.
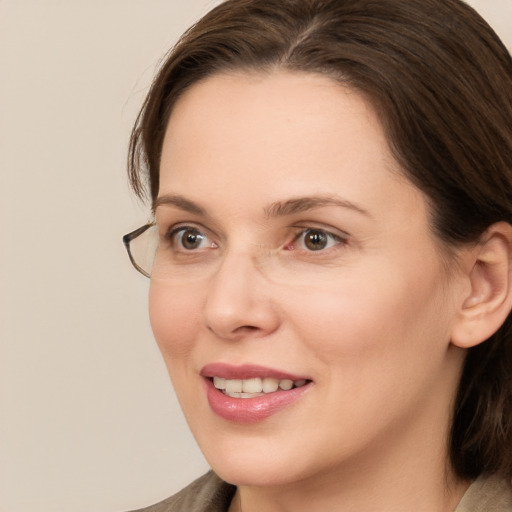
(487, 494)
(206, 494)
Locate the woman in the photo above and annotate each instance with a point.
(331, 182)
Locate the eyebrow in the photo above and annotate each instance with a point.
(179, 202)
(302, 204)
(276, 209)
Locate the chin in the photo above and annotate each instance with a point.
(258, 461)
(255, 473)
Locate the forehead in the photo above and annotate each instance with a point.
(274, 135)
(265, 104)
(250, 112)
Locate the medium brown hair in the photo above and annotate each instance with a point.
(441, 81)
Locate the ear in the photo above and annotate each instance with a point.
(489, 300)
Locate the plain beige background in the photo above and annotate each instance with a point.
(88, 420)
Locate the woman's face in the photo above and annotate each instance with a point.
(293, 252)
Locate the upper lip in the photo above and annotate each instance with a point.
(246, 371)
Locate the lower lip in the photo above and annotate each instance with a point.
(251, 410)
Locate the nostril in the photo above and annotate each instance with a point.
(240, 330)
(245, 329)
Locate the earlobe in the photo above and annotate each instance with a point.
(489, 301)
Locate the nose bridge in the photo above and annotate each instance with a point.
(238, 300)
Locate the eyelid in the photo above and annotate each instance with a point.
(313, 226)
(165, 229)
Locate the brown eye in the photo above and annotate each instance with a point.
(315, 240)
(189, 238)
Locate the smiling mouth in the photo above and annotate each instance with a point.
(255, 387)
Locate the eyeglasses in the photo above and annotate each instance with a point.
(141, 246)
(155, 257)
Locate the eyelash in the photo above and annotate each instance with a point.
(333, 240)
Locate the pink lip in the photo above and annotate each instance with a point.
(246, 371)
(248, 410)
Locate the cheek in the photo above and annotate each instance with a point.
(381, 345)
(381, 316)
(175, 317)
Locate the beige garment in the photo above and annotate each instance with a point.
(487, 494)
(206, 494)
(210, 494)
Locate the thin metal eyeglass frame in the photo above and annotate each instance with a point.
(131, 236)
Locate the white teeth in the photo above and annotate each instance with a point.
(248, 388)
(270, 385)
(219, 382)
(286, 384)
(252, 385)
(233, 386)
(243, 395)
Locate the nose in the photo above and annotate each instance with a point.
(239, 303)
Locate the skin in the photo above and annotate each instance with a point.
(369, 318)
